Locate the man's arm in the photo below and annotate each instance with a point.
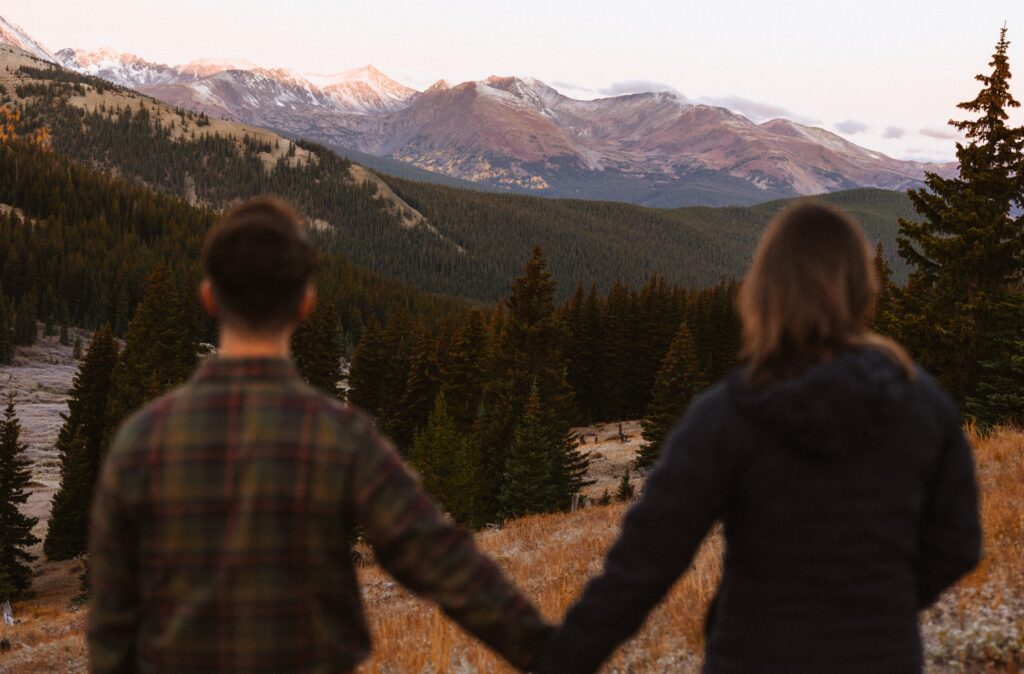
(114, 610)
(437, 560)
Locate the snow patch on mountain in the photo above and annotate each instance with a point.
(14, 35)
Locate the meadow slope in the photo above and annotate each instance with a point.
(977, 627)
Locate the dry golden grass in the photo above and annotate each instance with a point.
(977, 627)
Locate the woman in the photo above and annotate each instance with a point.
(839, 471)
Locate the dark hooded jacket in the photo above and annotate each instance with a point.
(848, 503)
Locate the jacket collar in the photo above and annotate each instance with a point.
(216, 368)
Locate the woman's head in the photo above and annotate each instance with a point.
(810, 292)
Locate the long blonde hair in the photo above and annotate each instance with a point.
(810, 294)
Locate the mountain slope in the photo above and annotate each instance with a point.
(438, 238)
(518, 134)
(14, 36)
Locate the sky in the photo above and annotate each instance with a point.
(884, 74)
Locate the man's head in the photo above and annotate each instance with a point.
(258, 264)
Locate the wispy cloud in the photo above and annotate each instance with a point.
(624, 87)
(894, 132)
(756, 111)
(851, 127)
(941, 134)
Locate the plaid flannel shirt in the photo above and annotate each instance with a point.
(221, 529)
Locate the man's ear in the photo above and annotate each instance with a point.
(308, 303)
(208, 298)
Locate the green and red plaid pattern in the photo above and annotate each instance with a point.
(220, 535)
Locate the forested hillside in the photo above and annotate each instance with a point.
(466, 243)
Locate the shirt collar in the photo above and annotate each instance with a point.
(216, 368)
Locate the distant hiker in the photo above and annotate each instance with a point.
(220, 537)
(839, 470)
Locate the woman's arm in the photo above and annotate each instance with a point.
(683, 497)
(951, 535)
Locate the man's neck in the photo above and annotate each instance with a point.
(235, 344)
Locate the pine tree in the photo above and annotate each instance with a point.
(969, 249)
(584, 354)
(25, 329)
(365, 387)
(618, 350)
(76, 351)
(887, 310)
(464, 374)
(528, 356)
(160, 349)
(529, 484)
(15, 528)
(999, 398)
(679, 380)
(421, 388)
(394, 376)
(625, 491)
(317, 349)
(80, 445)
(6, 333)
(446, 463)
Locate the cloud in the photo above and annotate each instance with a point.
(941, 134)
(756, 111)
(894, 132)
(623, 87)
(851, 127)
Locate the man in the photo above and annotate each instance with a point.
(222, 526)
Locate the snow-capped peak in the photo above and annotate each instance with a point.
(212, 66)
(363, 89)
(15, 36)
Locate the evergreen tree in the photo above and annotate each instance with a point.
(618, 352)
(160, 349)
(464, 374)
(365, 384)
(76, 351)
(887, 310)
(317, 349)
(80, 445)
(625, 491)
(679, 380)
(447, 464)
(421, 388)
(394, 376)
(15, 528)
(584, 354)
(999, 397)
(25, 329)
(6, 333)
(528, 356)
(969, 249)
(530, 481)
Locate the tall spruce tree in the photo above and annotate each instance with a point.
(160, 349)
(80, 445)
(530, 483)
(447, 464)
(365, 386)
(887, 310)
(999, 397)
(317, 348)
(464, 375)
(6, 332)
(421, 388)
(968, 251)
(528, 356)
(584, 354)
(679, 380)
(15, 527)
(26, 331)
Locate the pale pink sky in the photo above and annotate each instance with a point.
(884, 74)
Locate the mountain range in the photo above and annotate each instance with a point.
(515, 133)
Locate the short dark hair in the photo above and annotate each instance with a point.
(260, 261)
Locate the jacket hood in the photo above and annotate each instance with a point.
(832, 408)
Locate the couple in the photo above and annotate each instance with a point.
(220, 536)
